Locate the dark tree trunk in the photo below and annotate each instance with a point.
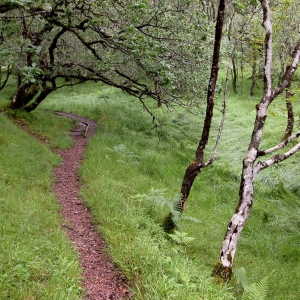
(2, 84)
(253, 75)
(234, 74)
(290, 113)
(23, 95)
(44, 93)
(195, 167)
(158, 93)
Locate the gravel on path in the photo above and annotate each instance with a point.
(101, 280)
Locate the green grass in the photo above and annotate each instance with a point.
(37, 259)
(128, 159)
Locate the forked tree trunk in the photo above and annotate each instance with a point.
(195, 167)
(223, 270)
(25, 93)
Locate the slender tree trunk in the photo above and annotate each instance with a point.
(195, 167)
(223, 269)
(158, 93)
(234, 74)
(253, 75)
(290, 112)
(242, 64)
(237, 222)
(2, 84)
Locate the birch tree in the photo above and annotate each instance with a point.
(253, 162)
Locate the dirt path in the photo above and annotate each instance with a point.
(101, 281)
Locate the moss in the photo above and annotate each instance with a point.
(221, 274)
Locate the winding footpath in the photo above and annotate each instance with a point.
(100, 280)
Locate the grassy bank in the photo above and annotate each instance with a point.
(37, 260)
(131, 172)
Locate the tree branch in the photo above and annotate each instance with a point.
(289, 72)
(275, 159)
(279, 146)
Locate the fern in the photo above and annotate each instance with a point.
(175, 213)
(241, 278)
(189, 218)
(156, 198)
(128, 156)
(256, 290)
(181, 238)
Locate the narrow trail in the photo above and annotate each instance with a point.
(100, 280)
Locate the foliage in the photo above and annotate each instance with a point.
(181, 238)
(144, 48)
(156, 199)
(128, 156)
(257, 290)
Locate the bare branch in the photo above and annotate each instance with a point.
(289, 72)
(275, 159)
(279, 146)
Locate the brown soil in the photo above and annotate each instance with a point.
(101, 280)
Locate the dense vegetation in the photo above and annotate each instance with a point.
(131, 172)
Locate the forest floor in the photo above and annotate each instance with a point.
(100, 279)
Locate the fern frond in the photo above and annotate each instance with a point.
(181, 238)
(256, 290)
(241, 277)
(175, 213)
(189, 218)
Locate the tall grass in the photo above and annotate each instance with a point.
(128, 158)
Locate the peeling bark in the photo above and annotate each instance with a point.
(250, 169)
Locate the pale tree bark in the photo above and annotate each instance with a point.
(223, 269)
